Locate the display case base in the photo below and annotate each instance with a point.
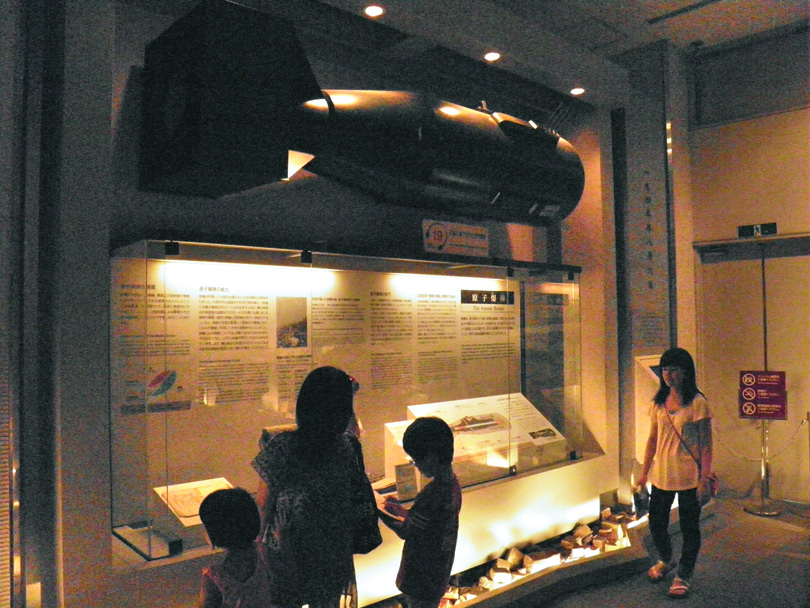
(149, 543)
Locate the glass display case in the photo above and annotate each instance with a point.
(209, 345)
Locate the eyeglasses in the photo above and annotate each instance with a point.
(355, 385)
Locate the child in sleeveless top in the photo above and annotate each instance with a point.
(231, 520)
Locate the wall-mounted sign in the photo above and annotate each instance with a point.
(763, 395)
(755, 230)
(458, 239)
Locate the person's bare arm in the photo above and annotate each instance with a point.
(210, 595)
(704, 428)
(263, 502)
(649, 455)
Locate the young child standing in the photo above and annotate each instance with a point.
(430, 527)
(231, 520)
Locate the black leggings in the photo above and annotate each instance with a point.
(689, 517)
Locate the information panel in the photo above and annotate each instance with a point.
(206, 352)
(763, 395)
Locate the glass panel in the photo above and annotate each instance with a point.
(551, 378)
(210, 344)
(425, 339)
(132, 353)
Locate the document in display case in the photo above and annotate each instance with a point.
(184, 499)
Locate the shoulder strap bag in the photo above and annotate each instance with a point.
(365, 527)
(713, 480)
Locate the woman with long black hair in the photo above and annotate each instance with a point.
(305, 497)
(677, 461)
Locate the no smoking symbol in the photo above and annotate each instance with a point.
(749, 394)
(749, 409)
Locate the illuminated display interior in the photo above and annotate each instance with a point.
(209, 346)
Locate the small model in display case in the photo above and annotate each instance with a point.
(486, 423)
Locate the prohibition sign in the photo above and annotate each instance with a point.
(763, 395)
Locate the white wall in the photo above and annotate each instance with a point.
(750, 172)
(732, 340)
(680, 164)
(589, 237)
(80, 305)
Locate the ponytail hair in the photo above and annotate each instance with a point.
(324, 406)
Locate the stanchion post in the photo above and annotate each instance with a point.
(766, 508)
(765, 493)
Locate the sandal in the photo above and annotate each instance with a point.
(679, 587)
(659, 570)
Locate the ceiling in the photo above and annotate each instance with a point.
(602, 27)
(567, 43)
(556, 43)
(610, 27)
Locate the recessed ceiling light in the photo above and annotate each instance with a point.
(374, 11)
(576, 91)
(492, 56)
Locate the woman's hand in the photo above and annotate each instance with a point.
(704, 490)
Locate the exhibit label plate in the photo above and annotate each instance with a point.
(457, 239)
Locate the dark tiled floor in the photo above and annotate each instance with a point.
(747, 561)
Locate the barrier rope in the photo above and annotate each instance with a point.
(776, 454)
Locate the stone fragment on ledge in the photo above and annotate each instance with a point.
(501, 572)
(514, 557)
(583, 531)
(584, 541)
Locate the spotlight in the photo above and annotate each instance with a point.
(373, 11)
